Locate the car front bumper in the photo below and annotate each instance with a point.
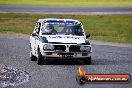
(67, 55)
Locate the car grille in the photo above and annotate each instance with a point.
(74, 48)
(60, 47)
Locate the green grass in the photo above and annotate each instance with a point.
(70, 2)
(113, 28)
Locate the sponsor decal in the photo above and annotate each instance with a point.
(83, 77)
(64, 37)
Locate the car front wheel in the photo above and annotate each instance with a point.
(88, 61)
(40, 59)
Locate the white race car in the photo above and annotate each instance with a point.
(59, 39)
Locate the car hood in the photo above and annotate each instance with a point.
(64, 39)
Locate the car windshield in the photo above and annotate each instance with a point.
(62, 28)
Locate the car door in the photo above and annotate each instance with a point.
(36, 37)
(32, 44)
(33, 39)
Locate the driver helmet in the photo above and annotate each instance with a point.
(48, 28)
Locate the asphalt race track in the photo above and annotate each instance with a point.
(106, 59)
(66, 9)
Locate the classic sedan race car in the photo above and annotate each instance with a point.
(60, 39)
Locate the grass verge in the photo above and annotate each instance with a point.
(70, 2)
(112, 28)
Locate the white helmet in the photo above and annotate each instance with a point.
(48, 28)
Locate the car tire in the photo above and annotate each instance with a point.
(88, 61)
(40, 59)
(32, 57)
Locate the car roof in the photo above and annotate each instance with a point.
(57, 20)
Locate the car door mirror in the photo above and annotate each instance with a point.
(34, 34)
(87, 35)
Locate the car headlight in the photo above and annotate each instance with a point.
(48, 47)
(85, 48)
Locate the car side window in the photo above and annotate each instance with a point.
(37, 27)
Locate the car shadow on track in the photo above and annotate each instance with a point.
(55, 62)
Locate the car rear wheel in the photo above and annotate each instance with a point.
(32, 57)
